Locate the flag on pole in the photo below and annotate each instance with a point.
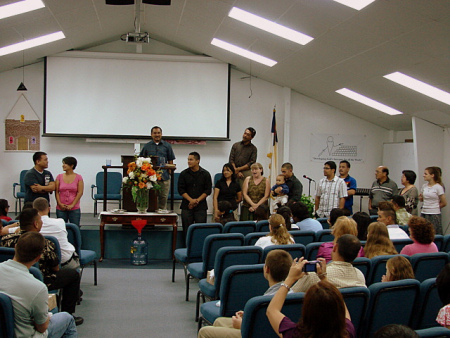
(273, 154)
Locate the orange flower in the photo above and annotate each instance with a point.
(145, 167)
(158, 176)
(151, 172)
(142, 185)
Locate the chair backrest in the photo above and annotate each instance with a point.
(364, 265)
(239, 284)
(6, 253)
(213, 243)
(303, 236)
(196, 235)
(251, 238)
(324, 222)
(429, 305)
(6, 316)
(312, 249)
(176, 195)
(391, 303)
(255, 323)
(405, 228)
(22, 180)
(446, 244)
(36, 273)
(243, 227)
(379, 268)
(357, 300)
(262, 226)
(217, 177)
(54, 240)
(114, 182)
(234, 255)
(439, 241)
(74, 236)
(400, 243)
(373, 218)
(428, 265)
(434, 332)
(296, 250)
(324, 236)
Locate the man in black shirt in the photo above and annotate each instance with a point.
(38, 181)
(295, 187)
(194, 184)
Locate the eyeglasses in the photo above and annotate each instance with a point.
(326, 168)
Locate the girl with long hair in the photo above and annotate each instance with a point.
(226, 189)
(398, 268)
(378, 241)
(278, 234)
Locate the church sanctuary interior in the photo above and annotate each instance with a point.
(110, 70)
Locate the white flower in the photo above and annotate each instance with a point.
(125, 180)
(131, 175)
(139, 161)
(149, 185)
(144, 175)
(153, 178)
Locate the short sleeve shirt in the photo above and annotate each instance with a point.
(228, 192)
(162, 149)
(330, 191)
(33, 176)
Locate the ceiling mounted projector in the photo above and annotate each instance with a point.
(137, 37)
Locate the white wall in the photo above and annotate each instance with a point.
(306, 116)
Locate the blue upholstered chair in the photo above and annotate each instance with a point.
(434, 332)
(226, 257)
(428, 265)
(303, 237)
(6, 253)
(6, 317)
(379, 268)
(446, 244)
(295, 250)
(428, 305)
(195, 238)
(399, 244)
(252, 238)
(391, 303)
(364, 264)
(357, 300)
(19, 195)
(262, 226)
(233, 296)
(312, 249)
(243, 227)
(176, 195)
(113, 190)
(324, 236)
(212, 244)
(87, 257)
(324, 222)
(255, 323)
(439, 241)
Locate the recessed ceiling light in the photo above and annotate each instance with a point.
(356, 4)
(419, 86)
(269, 26)
(42, 40)
(20, 7)
(368, 102)
(243, 52)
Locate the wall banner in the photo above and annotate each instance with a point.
(337, 147)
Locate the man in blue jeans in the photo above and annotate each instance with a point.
(29, 296)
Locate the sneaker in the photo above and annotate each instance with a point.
(78, 320)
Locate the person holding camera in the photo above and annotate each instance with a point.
(340, 271)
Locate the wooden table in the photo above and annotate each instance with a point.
(151, 217)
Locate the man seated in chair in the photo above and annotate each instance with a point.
(56, 227)
(276, 269)
(387, 215)
(29, 295)
(340, 272)
(55, 278)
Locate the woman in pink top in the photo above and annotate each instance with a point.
(343, 226)
(422, 233)
(69, 189)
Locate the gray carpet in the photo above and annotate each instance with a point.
(136, 302)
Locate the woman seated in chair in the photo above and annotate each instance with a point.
(378, 241)
(278, 234)
(421, 231)
(324, 312)
(343, 226)
(4, 208)
(69, 189)
(398, 268)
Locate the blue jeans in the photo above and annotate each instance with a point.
(69, 216)
(62, 324)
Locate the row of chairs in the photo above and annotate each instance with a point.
(407, 302)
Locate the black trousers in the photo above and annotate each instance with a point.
(191, 216)
(69, 281)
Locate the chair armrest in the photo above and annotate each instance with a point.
(92, 191)
(14, 189)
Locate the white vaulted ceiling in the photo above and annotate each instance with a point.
(351, 48)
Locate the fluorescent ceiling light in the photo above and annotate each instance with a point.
(269, 26)
(368, 102)
(42, 40)
(243, 52)
(356, 4)
(419, 86)
(20, 7)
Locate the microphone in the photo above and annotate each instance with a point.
(308, 178)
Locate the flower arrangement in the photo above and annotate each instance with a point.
(141, 177)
